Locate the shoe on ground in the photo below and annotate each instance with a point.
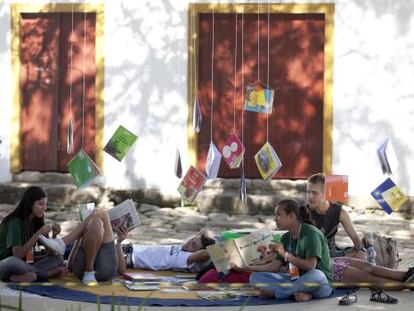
(349, 299)
(57, 245)
(89, 278)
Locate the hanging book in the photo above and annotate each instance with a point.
(83, 169)
(233, 151)
(387, 157)
(178, 167)
(336, 188)
(242, 186)
(191, 184)
(259, 98)
(197, 117)
(213, 162)
(120, 143)
(389, 196)
(267, 161)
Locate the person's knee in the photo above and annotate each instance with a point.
(95, 227)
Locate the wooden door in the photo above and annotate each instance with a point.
(296, 72)
(47, 79)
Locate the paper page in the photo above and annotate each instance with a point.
(224, 253)
(248, 244)
(124, 215)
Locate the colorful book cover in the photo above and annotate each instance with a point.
(267, 161)
(191, 184)
(83, 169)
(213, 162)
(336, 188)
(233, 151)
(259, 98)
(389, 196)
(120, 143)
(387, 157)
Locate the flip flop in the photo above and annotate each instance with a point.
(349, 299)
(380, 296)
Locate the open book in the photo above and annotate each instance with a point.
(122, 215)
(191, 184)
(120, 143)
(233, 151)
(83, 169)
(387, 157)
(241, 251)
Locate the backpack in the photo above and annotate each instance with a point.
(386, 249)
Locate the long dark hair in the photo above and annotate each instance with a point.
(292, 206)
(25, 208)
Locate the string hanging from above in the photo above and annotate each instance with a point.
(197, 116)
(242, 187)
(69, 135)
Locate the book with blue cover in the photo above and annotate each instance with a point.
(389, 196)
(259, 98)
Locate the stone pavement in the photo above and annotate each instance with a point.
(173, 225)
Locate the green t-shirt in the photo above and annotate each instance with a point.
(311, 243)
(10, 236)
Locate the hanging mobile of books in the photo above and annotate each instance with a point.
(259, 96)
(197, 116)
(82, 168)
(267, 160)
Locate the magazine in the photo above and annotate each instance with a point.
(120, 143)
(259, 98)
(336, 188)
(267, 161)
(241, 251)
(83, 169)
(389, 196)
(387, 157)
(191, 184)
(124, 215)
(233, 151)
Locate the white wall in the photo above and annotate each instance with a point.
(145, 89)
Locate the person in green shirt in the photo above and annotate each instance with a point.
(304, 250)
(19, 233)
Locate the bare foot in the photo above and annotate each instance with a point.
(25, 277)
(58, 272)
(265, 294)
(301, 297)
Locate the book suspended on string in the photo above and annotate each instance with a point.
(387, 157)
(259, 98)
(120, 143)
(213, 162)
(233, 151)
(83, 169)
(191, 184)
(241, 251)
(267, 161)
(336, 188)
(389, 196)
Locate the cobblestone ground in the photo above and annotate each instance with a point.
(173, 225)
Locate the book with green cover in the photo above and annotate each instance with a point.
(120, 143)
(83, 169)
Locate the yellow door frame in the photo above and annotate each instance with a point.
(327, 9)
(16, 11)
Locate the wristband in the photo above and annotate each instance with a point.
(286, 254)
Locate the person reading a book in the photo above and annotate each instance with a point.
(93, 257)
(303, 250)
(328, 215)
(19, 233)
(189, 256)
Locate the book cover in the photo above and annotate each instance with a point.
(83, 169)
(233, 151)
(124, 215)
(120, 143)
(387, 157)
(85, 209)
(389, 196)
(241, 251)
(336, 188)
(259, 98)
(267, 161)
(213, 162)
(191, 184)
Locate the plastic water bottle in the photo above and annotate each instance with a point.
(371, 253)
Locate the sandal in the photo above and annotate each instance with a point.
(379, 295)
(348, 299)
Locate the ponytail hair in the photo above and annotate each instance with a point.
(301, 211)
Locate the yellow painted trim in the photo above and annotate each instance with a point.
(16, 10)
(327, 9)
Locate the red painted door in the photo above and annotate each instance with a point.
(48, 76)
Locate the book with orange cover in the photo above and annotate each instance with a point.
(336, 188)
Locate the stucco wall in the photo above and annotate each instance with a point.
(145, 89)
